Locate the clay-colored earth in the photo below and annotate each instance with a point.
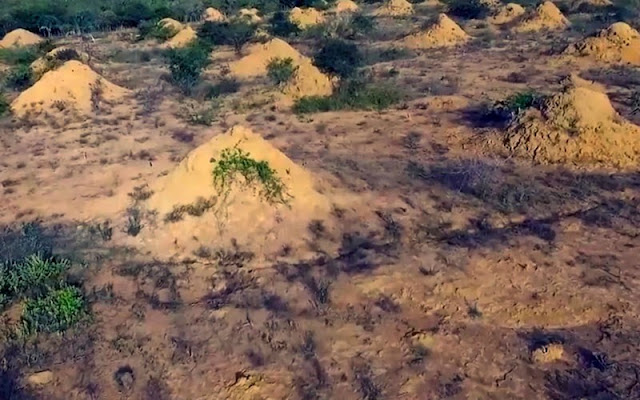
(477, 239)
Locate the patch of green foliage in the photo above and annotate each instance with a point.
(56, 311)
(186, 65)
(151, 30)
(354, 94)
(234, 33)
(467, 9)
(338, 58)
(281, 70)
(513, 105)
(5, 107)
(19, 77)
(33, 276)
(234, 162)
(19, 55)
(281, 26)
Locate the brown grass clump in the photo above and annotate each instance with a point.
(545, 17)
(182, 38)
(19, 38)
(395, 8)
(445, 32)
(619, 43)
(240, 212)
(74, 85)
(507, 13)
(578, 125)
(213, 15)
(306, 17)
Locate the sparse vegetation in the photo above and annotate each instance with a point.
(199, 114)
(223, 87)
(280, 25)
(186, 65)
(234, 161)
(5, 107)
(195, 209)
(467, 9)
(512, 106)
(19, 77)
(134, 221)
(56, 311)
(356, 94)
(281, 70)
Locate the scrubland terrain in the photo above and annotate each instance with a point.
(311, 200)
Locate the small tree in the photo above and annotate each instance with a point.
(339, 58)
(281, 70)
(280, 25)
(233, 33)
(186, 65)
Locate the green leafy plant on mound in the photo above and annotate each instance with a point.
(56, 60)
(19, 77)
(32, 277)
(281, 70)
(351, 95)
(151, 30)
(57, 311)
(234, 162)
(338, 58)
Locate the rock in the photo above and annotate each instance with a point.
(40, 378)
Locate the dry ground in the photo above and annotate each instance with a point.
(459, 273)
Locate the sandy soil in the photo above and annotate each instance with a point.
(443, 266)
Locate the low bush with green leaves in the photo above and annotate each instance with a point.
(338, 58)
(19, 55)
(19, 77)
(152, 30)
(281, 70)
(355, 94)
(235, 162)
(186, 65)
(234, 33)
(5, 107)
(56, 311)
(512, 106)
(467, 9)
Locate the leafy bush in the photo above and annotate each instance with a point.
(281, 70)
(54, 312)
(196, 114)
(223, 87)
(5, 107)
(467, 9)
(509, 108)
(233, 33)
(234, 161)
(19, 77)
(351, 95)
(186, 65)
(280, 25)
(19, 55)
(339, 58)
(151, 30)
(32, 277)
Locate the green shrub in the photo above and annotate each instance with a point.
(32, 277)
(19, 55)
(57, 311)
(339, 58)
(233, 33)
(223, 87)
(513, 105)
(467, 9)
(234, 161)
(197, 114)
(280, 25)
(151, 30)
(186, 65)
(19, 77)
(351, 95)
(5, 107)
(281, 70)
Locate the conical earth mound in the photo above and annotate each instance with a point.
(345, 6)
(579, 126)
(545, 17)
(445, 32)
(171, 25)
(307, 80)
(18, 38)
(305, 17)
(619, 43)
(213, 15)
(507, 13)
(395, 8)
(183, 38)
(74, 85)
(239, 209)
